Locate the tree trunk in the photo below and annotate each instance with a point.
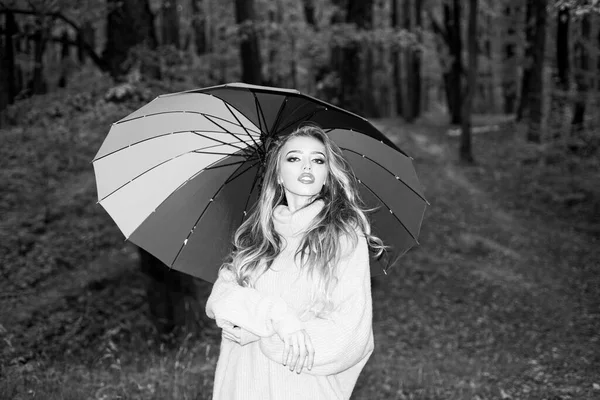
(453, 77)
(559, 98)
(249, 48)
(537, 74)
(562, 48)
(199, 26)
(416, 64)
(395, 53)
(353, 97)
(509, 76)
(170, 295)
(581, 76)
(38, 82)
(8, 89)
(528, 64)
(64, 59)
(170, 23)
(130, 23)
(274, 74)
(412, 64)
(466, 153)
(309, 13)
(85, 35)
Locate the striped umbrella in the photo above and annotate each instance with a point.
(179, 174)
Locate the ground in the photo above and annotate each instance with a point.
(499, 301)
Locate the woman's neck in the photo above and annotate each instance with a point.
(295, 202)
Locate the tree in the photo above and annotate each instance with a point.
(466, 153)
(130, 25)
(249, 48)
(412, 62)
(450, 34)
(562, 47)
(529, 48)
(582, 66)
(170, 23)
(509, 56)
(8, 87)
(169, 293)
(309, 13)
(60, 15)
(395, 53)
(536, 83)
(199, 26)
(359, 13)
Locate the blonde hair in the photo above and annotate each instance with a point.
(256, 244)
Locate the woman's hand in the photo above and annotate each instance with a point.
(298, 352)
(233, 333)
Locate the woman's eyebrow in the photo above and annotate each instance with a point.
(300, 151)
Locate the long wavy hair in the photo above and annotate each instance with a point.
(256, 244)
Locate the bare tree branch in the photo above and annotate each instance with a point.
(57, 15)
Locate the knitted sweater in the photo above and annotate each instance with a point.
(343, 340)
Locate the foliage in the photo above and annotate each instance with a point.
(580, 7)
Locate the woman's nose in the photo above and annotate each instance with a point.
(306, 166)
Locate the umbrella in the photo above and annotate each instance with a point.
(179, 174)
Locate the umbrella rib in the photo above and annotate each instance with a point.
(391, 212)
(280, 112)
(259, 114)
(222, 142)
(204, 211)
(175, 112)
(256, 177)
(384, 168)
(232, 177)
(233, 163)
(231, 133)
(297, 120)
(258, 106)
(160, 136)
(158, 165)
(242, 125)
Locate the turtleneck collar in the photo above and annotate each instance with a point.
(289, 223)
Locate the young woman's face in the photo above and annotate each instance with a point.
(303, 166)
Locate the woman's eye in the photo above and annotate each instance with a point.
(292, 159)
(319, 161)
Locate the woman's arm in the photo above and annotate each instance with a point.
(346, 336)
(236, 333)
(259, 314)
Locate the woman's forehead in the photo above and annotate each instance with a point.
(304, 144)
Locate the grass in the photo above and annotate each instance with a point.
(500, 300)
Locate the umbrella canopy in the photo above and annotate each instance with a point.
(179, 175)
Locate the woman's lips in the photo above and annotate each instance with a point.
(306, 178)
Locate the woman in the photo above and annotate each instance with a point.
(294, 302)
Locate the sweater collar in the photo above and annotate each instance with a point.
(289, 223)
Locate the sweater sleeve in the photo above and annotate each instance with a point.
(247, 308)
(345, 337)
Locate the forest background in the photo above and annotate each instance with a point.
(497, 101)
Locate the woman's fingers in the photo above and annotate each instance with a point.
(286, 351)
(310, 349)
(298, 352)
(295, 351)
(302, 352)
